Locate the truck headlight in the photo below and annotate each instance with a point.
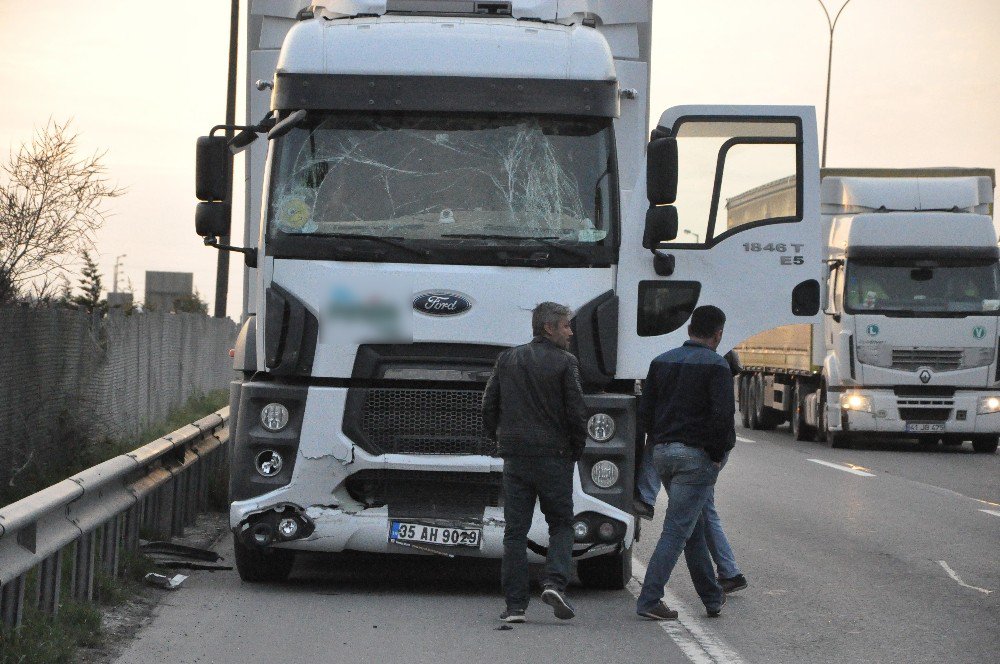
(274, 417)
(269, 463)
(604, 474)
(989, 405)
(857, 402)
(601, 427)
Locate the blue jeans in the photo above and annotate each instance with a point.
(550, 481)
(689, 475)
(718, 544)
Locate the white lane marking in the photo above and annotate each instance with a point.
(959, 581)
(745, 440)
(993, 512)
(846, 469)
(694, 640)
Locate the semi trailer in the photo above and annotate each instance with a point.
(908, 343)
(424, 173)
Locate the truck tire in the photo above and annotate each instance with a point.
(838, 440)
(744, 405)
(800, 429)
(753, 421)
(262, 566)
(985, 444)
(608, 572)
(767, 418)
(819, 435)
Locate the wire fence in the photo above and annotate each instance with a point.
(68, 377)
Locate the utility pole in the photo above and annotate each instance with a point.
(829, 67)
(222, 268)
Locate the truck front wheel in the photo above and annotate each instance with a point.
(800, 429)
(744, 401)
(262, 565)
(608, 572)
(838, 440)
(985, 444)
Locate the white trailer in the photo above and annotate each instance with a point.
(433, 170)
(908, 342)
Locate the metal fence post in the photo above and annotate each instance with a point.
(12, 602)
(48, 590)
(82, 582)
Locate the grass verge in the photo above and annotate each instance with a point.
(84, 449)
(53, 640)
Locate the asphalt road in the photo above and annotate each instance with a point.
(889, 565)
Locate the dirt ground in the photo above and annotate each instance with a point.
(121, 623)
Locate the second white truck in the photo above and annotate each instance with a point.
(908, 341)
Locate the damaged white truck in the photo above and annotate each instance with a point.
(433, 169)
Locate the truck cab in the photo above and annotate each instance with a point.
(914, 300)
(433, 170)
(907, 346)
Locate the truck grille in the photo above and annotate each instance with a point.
(423, 421)
(429, 494)
(906, 359)
(924, 414)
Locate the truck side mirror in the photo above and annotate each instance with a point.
(211, 168)
(661, 171)
(213, 219)
(661, 226)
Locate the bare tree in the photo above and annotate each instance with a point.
(51, 203)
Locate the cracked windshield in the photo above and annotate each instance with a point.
(482, 179)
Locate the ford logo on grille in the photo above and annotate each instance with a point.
(441, 303)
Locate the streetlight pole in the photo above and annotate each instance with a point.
(118, 260)
(697, 238)
(829, 67)
(222, 266)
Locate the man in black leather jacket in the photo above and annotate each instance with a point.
(533, 407)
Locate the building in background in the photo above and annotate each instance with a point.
(120, 300)
(163, 289)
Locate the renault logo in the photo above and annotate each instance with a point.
(925, 376)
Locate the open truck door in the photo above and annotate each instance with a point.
(761, 266)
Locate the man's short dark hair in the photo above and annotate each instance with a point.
(706, 321)
(548, 312)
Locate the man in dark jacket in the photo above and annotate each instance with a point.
(686, 411)
(533, 407)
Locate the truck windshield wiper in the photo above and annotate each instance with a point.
(547, 240)
(397, 242)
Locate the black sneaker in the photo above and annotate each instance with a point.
(731, 585)
(659, 612)
(560, 605)
(714, 613)
(642, 510)
(512, 616)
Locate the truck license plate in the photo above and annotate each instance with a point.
(406, 531)
(924, 427)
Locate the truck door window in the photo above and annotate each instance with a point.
(756, 167)
(665, 305)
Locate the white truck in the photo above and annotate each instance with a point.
(908, 344)
(433, 170)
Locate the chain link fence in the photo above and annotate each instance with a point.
(68, 378)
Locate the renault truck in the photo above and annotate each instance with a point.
(908, 342)
(425, 172)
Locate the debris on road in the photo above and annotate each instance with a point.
(162, 581)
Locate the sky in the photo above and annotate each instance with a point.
(915, 83)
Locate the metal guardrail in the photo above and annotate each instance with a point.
(90, 519)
